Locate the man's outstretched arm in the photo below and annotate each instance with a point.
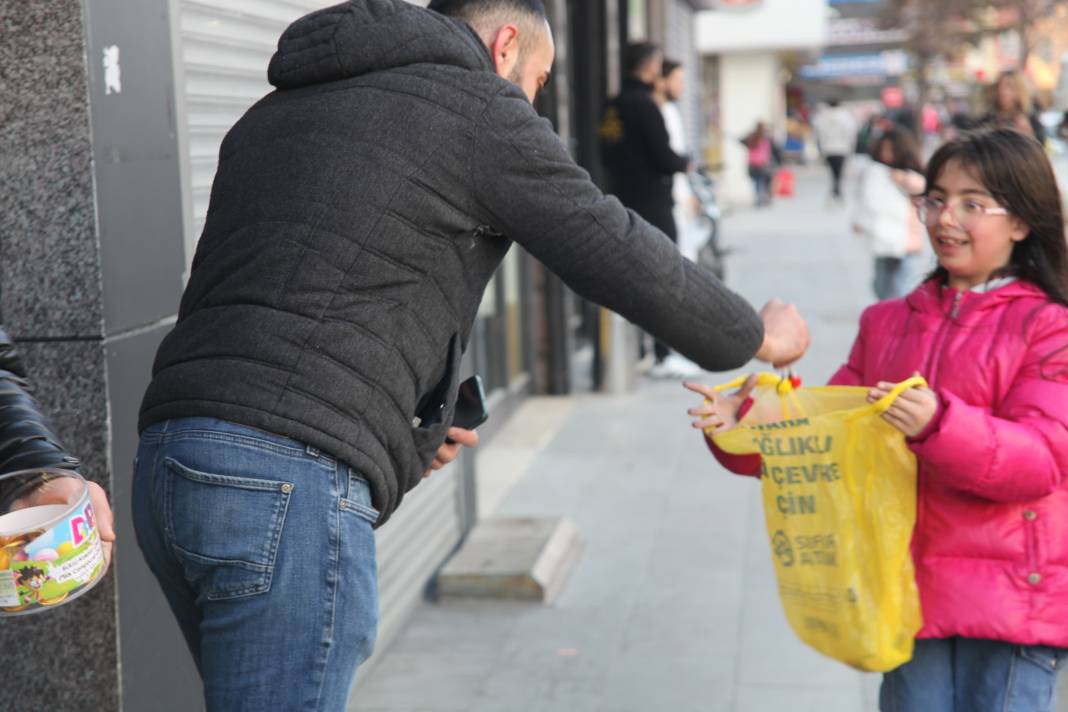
(532, 191)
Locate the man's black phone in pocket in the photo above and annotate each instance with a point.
(471, 410)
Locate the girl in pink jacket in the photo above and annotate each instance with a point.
(989, 331)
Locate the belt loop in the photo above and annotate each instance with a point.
(312, 451)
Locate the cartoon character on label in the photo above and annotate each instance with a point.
(29, 582)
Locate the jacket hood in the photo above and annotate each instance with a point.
(933, 297)
(363, 36)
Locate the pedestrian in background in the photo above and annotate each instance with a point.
(884, 214)
(989, 332)
(639, 156)
(670, 90)
(1011, 107)
(836, 129)
(761, 159)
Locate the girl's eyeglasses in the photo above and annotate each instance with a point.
(966, 213)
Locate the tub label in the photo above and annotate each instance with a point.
(9, 593)
(46, 567)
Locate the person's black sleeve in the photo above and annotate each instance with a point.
(529, 189)
(655, 137)
(26, 439)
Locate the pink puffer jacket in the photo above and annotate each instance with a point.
(991, 537)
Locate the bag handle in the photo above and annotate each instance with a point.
(784, 386)
(883, 404)
(764, 378)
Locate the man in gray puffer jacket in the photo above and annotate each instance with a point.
(356, 217)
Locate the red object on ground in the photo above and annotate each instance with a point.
(784, 183)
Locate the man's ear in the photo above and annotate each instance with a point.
(505, 50)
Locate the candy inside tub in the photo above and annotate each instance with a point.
(50, 549)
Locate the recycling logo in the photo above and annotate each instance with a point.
(780, 545)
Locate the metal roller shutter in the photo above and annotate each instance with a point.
(222, 55)
(682, 47)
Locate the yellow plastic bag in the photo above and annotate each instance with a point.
(839, 487)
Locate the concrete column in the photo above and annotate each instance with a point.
(750, 91)
(91, 237)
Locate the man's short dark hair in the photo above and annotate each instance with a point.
(470, 9)
(486, 16)
(637, 55)
(670, 65)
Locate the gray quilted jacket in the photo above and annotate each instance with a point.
(356, 217)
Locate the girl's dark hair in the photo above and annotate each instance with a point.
(670, 65)
(1014, 168)
(906, 150)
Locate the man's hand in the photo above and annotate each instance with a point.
(450, 451)
(913, 410)
(786, 336)
(719, 411)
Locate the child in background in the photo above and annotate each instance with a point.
(760, 159)
(883, 211)
(989, 331)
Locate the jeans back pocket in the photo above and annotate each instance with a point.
(224, 529)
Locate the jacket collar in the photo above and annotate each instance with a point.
(632, 84)
(932, 297)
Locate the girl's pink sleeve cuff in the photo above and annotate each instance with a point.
(748, 465)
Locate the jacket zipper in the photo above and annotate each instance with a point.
(954, 311)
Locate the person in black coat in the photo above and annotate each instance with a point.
(639, 160)
(636, 145)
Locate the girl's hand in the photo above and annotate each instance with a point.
(719, 412)
(913, 410)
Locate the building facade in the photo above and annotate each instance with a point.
(749, 49)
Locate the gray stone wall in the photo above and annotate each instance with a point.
(90, 277)
(51, 302)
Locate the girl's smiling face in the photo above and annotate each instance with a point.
(969, 252)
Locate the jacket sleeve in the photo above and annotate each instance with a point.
(1018, 452)
(530, 189)
(748, 465)
(26, 439)
(657, 141)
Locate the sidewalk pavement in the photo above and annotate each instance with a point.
(673, 605)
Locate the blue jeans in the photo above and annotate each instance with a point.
(970, 675)
(265, 550)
